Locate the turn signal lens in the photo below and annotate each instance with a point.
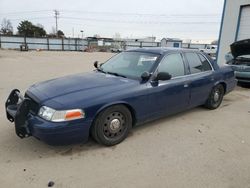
(74, 114)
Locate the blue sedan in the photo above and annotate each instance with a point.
(131, 88)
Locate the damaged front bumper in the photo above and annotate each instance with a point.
(17, 111)
(22, 110)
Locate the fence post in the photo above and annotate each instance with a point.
(125, 46)
(75, 44)
(63, 44)
(48, 43)
(88, 43)
(25, 42)
(140, 44)
(0, 42)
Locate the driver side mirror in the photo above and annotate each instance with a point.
(162, 76)
(145, 76)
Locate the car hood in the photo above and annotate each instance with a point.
(87, 86)
(240, 48)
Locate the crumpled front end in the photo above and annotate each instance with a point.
(23, 110)
(17, 111)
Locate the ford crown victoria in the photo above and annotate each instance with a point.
(131, 88)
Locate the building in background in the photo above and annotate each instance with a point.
(235, 26)
(171, 42)
(145, 39)
(132, 43)
(99, 41)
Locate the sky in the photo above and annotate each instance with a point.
(185, 19)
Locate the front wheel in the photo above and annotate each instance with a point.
(215, 98)
(112, 125)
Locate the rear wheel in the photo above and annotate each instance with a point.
(112, 125)
(215, 98)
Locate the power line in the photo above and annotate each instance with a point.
(24, 12)
(31, 18)
(142, 14)
(142, 22)
(115, 13)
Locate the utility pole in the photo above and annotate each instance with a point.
(82, 33)
(56, 16)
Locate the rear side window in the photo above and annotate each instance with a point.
(197, 63)
(205, 64)
(173, 64)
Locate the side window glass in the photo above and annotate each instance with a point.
(205, 64)
(194, 62)
(173, 64)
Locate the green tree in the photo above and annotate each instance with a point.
(39, 31)
(26, 28)
(6, 27)
(60, 33)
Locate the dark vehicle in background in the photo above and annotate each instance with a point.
(240, 61)
(131, 88)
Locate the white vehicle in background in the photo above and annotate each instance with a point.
(210, 50)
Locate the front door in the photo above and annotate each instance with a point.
(172, 95)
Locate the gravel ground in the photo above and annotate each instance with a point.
(196, 148)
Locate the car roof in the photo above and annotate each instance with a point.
(165, 50)
(162, 50)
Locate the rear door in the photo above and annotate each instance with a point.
(200, 77)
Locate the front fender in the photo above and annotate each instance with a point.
(131, 109)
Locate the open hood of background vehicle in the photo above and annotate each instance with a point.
(240, 48)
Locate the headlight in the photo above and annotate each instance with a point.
(62, 115)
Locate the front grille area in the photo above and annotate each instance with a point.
(34, 106)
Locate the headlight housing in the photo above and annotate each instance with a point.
(53, 115)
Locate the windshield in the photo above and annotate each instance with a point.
(130, 64)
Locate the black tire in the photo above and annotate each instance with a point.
(112, 125)
(215, 98)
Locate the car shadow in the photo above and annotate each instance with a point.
(244, 85)
(20, 150)
(33, 149)
(169, 118)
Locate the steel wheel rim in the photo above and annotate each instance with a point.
(114, 125)
(217, 96)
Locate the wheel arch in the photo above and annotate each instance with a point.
(127, 105)
(223, 84)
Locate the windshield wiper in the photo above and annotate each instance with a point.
(112, 73)
(101, 70)
(116, 74)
